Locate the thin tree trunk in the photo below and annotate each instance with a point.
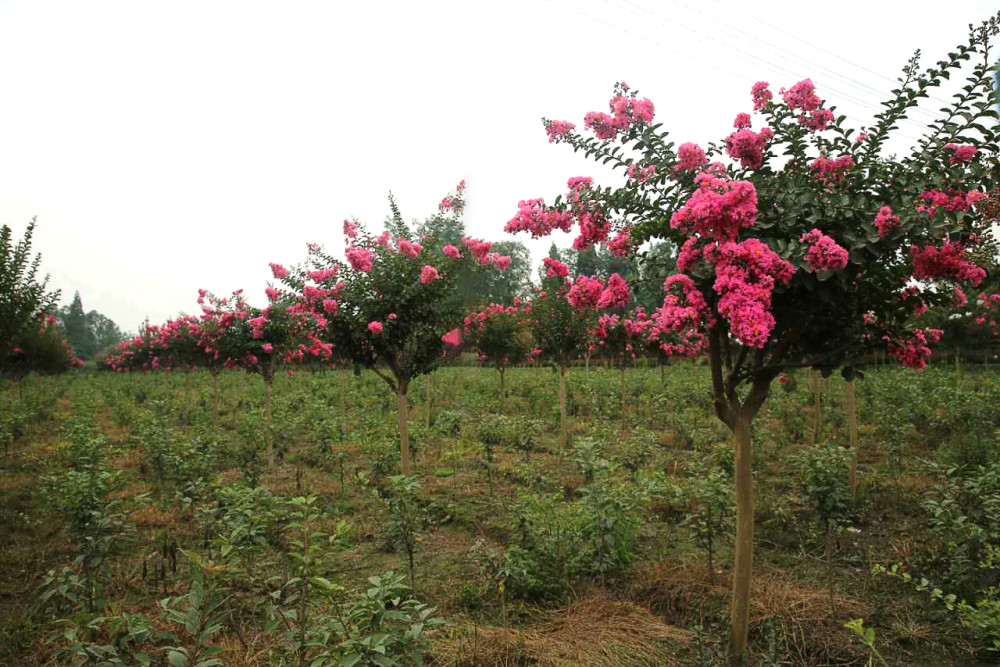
(503, 392)
(852, 425)
(403, 408)
(622, 388)
(427, 401)
(817, 406)
(269, 431)
(743, 565)
(215, 401)
(562, 408)
(829, 567)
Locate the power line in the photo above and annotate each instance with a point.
(826, 51)
(701, 62)
(862, 87)
(701, 35)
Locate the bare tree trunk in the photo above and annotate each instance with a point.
(622, 388)
(403, 408)
(427, 401)
(743, 565)
(215, 400)
(852, 425)
(817, 406)
(269, 431)
(563, 426)
(503, 393)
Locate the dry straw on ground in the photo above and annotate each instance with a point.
(592, 631)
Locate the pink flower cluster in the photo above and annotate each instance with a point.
(351, 228)
(885, 221)
(278, 271)
(621, 244)
(556, 129)
(585, 293)
(748, 146)
(616, 294)
(690, 157)
(802, 96)
(554, 268)
(641, 174)
(453, 338)
(626, 110)
(533, 216)
(321, 275)
(375, 327)
(745, 276)
(743, 121)
(428, 274)
(409, 248)
(956, 200)
(913, 351)
(451, 251)
(831, 172)
(360, 258)
(961, 153)
(718, 209)
(824, 253)
(948, 261)
(684, 306)
(761, 95)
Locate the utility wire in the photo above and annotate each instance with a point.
(702, 36)
(820, 48)
(699, 61)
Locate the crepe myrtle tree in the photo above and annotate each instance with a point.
(392, 307)
(808, 249)
(257, 339)
(562, 315)
(500, 335)
(40, 348)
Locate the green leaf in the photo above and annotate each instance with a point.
(176, 658)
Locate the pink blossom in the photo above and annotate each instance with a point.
(408, 248)
(621, 244)
(641, 174)
(824, 253)
(831, 172)
(272, 294)
(375, 327)
(351, 228)
(748, 147)
(585, 293)
(453, 338)
(360, 258)
(428, 274)
(719, 208)
(268, 348)
(278, 270)
(500, 261)
(330, 306)
(554, 268)
(948, 261)
(690, 157)
(742, 122)
(451, 251)
(616, 294)
(556, 129)
(885, 221)
(961, 153)
(480, 249)
(533, 216)
(761, 95)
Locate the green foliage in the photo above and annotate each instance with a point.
(823, 474)
(23, 298)
(406, 517)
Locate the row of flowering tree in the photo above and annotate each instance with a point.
(807, 247)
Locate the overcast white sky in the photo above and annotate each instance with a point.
(166, 147)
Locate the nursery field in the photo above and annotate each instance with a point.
(137, 527)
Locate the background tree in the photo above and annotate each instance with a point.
(23, 297)
(500, 335)
(76, 326)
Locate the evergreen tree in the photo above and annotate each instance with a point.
(22, 296)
